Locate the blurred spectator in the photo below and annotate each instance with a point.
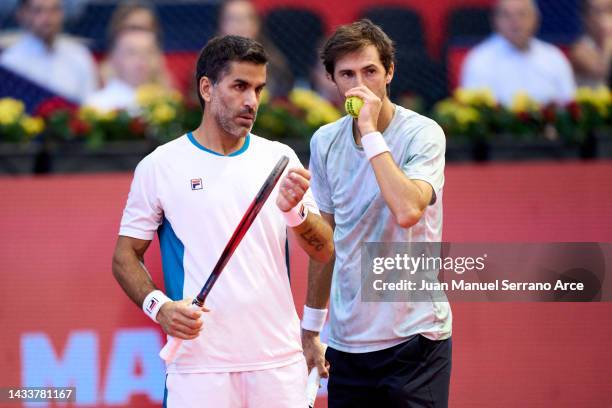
(137, 14)
(324, 86)
(132, 54)
(591, 55)
(47, 58)
(512, 60)
(133, 14)
(239, 17)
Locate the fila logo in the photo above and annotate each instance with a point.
(196, 184)
(152, 303)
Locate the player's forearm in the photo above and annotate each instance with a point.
(315, 236)
(404, 197)
(319, 283)
(132, 275)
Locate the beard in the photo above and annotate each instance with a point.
(225, 118)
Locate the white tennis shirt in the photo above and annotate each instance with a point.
(344, 185)
(194, 198)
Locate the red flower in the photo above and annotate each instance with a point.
(574, 110)
(79, 127)
(52, 105)
(549, 113)
(137, 126)
(524, 116)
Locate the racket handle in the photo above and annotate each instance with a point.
(168, 352)
(312, 386)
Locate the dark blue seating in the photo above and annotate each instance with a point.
(184, 26)
(401, 24)
(187, 26)
(297, 33)
(468, 26)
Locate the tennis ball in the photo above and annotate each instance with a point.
(353, 105)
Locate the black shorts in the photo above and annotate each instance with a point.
(415, 373)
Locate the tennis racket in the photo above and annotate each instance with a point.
(168, 352)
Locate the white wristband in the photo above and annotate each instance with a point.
(296, 215)
(374, 144)
(313, 319)
(153, 302)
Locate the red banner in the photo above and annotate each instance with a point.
(66, 321)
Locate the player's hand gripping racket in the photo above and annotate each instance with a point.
(314, 381)
(169, 350)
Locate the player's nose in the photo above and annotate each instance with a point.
(357, 80)
(250, 99)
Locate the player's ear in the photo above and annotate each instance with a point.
(389, 75)
(205, 88)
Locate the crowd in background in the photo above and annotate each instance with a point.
(511, 60)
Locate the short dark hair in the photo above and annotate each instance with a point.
(354, 37)
(219, 52)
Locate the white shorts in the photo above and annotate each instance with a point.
(281, 387)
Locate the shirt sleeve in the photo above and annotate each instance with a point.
(308, 200)
(318, 182)
(143, 212)
(426, 158)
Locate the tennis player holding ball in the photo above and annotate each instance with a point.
(376, 178)
(244, 350)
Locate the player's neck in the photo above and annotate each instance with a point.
(212, 137)
(386, 115)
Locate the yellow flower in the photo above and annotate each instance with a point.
(107, 116)
(303, 98)
(522, 102)
(88, 113)
(600, 98)
(330, 113)
(10, 111)
(466, 115)
(318, 110)
(91, 114)
(163, 113)
(446, 107)
(476, 97)
(32, 125)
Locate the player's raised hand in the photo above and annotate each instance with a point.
(180, 319)
(314, 352)
(292, 188)
(368, 115)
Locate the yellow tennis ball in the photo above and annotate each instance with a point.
(353, 105)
